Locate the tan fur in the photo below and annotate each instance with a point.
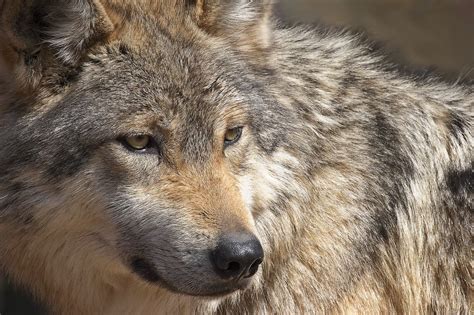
(337, 237)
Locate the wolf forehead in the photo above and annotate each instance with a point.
(123, 89)
(194, 88)
(182, 87)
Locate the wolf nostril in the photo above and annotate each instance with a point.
(233, 267)
(237, 256)
(253, 268)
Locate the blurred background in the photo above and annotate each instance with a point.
(419, 35)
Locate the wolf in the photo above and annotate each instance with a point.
(197, 157)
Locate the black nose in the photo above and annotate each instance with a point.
(237, 256)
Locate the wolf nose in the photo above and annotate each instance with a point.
(237, 256)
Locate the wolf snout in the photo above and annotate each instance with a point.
(237, 256)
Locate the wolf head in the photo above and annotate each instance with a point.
(130, 131)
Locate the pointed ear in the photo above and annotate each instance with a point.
(246, 21)
(31, 30)
(67, 27)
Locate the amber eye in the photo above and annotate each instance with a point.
(138, 142)
(232, 136)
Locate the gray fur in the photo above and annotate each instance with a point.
(357, 179)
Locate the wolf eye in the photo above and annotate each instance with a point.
(137, 142)
(232, 136)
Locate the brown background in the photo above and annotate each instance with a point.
(418, 34)
(436, 34)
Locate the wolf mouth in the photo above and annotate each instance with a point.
(147, 272)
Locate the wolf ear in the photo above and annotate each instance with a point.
(66, 27)
(30, 30)
(246, 21)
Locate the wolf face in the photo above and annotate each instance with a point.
(150, 137)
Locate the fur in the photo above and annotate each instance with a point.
(357, 179)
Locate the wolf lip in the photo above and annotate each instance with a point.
(145, 270)
(225, 290)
